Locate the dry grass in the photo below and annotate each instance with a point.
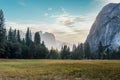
(59, 70)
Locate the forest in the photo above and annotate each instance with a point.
(12, 46)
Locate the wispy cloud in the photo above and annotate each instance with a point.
(22, 3)
(75, 21)
(107, 1)
(50, 9)
(46, 14)
(68, 20)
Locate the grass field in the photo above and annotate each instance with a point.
(59, 70)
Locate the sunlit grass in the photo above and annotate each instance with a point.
(59, 70)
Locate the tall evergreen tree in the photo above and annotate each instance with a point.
(28, 37)
(77, 52)
(2, 20)
(108, 53)
(53, 54)
(87, 50)
(100, 50)
(10, 34)
(81, 51)
(74, 47)
(2, 34)
(18, 36)
(37, 38)
(2, 28)
(65, 52)
(42, 51)
(73, 54)
(14, 35)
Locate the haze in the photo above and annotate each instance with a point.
(69, 20)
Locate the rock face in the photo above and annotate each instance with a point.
(106, 28)
(48, 38)
(50, 41)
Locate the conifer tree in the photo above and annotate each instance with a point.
(87, 50)
(18, 36)
(37, 39)
(2, 34)
(10, 34)
(65, 52)
(100, 50)
(28, 37)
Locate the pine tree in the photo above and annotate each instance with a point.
(2, 34)
(18, 36)
(74, 52)
(14, 35)
(28, 37)
(108, 53)
(100, 50)
(43, 51)
(65, 52)
(23, 42)
(10, 34)
(37, 38)
(87, 50)
(2, 29)
(74, 47)
(77, 52)
(53, 54)
(81, 51)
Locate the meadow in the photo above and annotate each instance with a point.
(59, 69)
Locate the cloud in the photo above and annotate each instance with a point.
(46, 14)
(111, 1)
(22, 3)
(107, 1)
(63, 10)
(50, 9)
(82, 22)
(68, 20)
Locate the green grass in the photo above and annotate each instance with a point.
(59, 70)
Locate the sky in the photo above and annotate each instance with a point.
(69, 20)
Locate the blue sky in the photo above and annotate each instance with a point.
(69, 20)
(18, 10)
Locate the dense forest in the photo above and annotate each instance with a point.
(12, 46)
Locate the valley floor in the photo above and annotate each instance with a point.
(59, 69)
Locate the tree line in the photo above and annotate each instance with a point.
(12, 46)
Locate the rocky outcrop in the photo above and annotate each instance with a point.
(106, 28)
(49, 39)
